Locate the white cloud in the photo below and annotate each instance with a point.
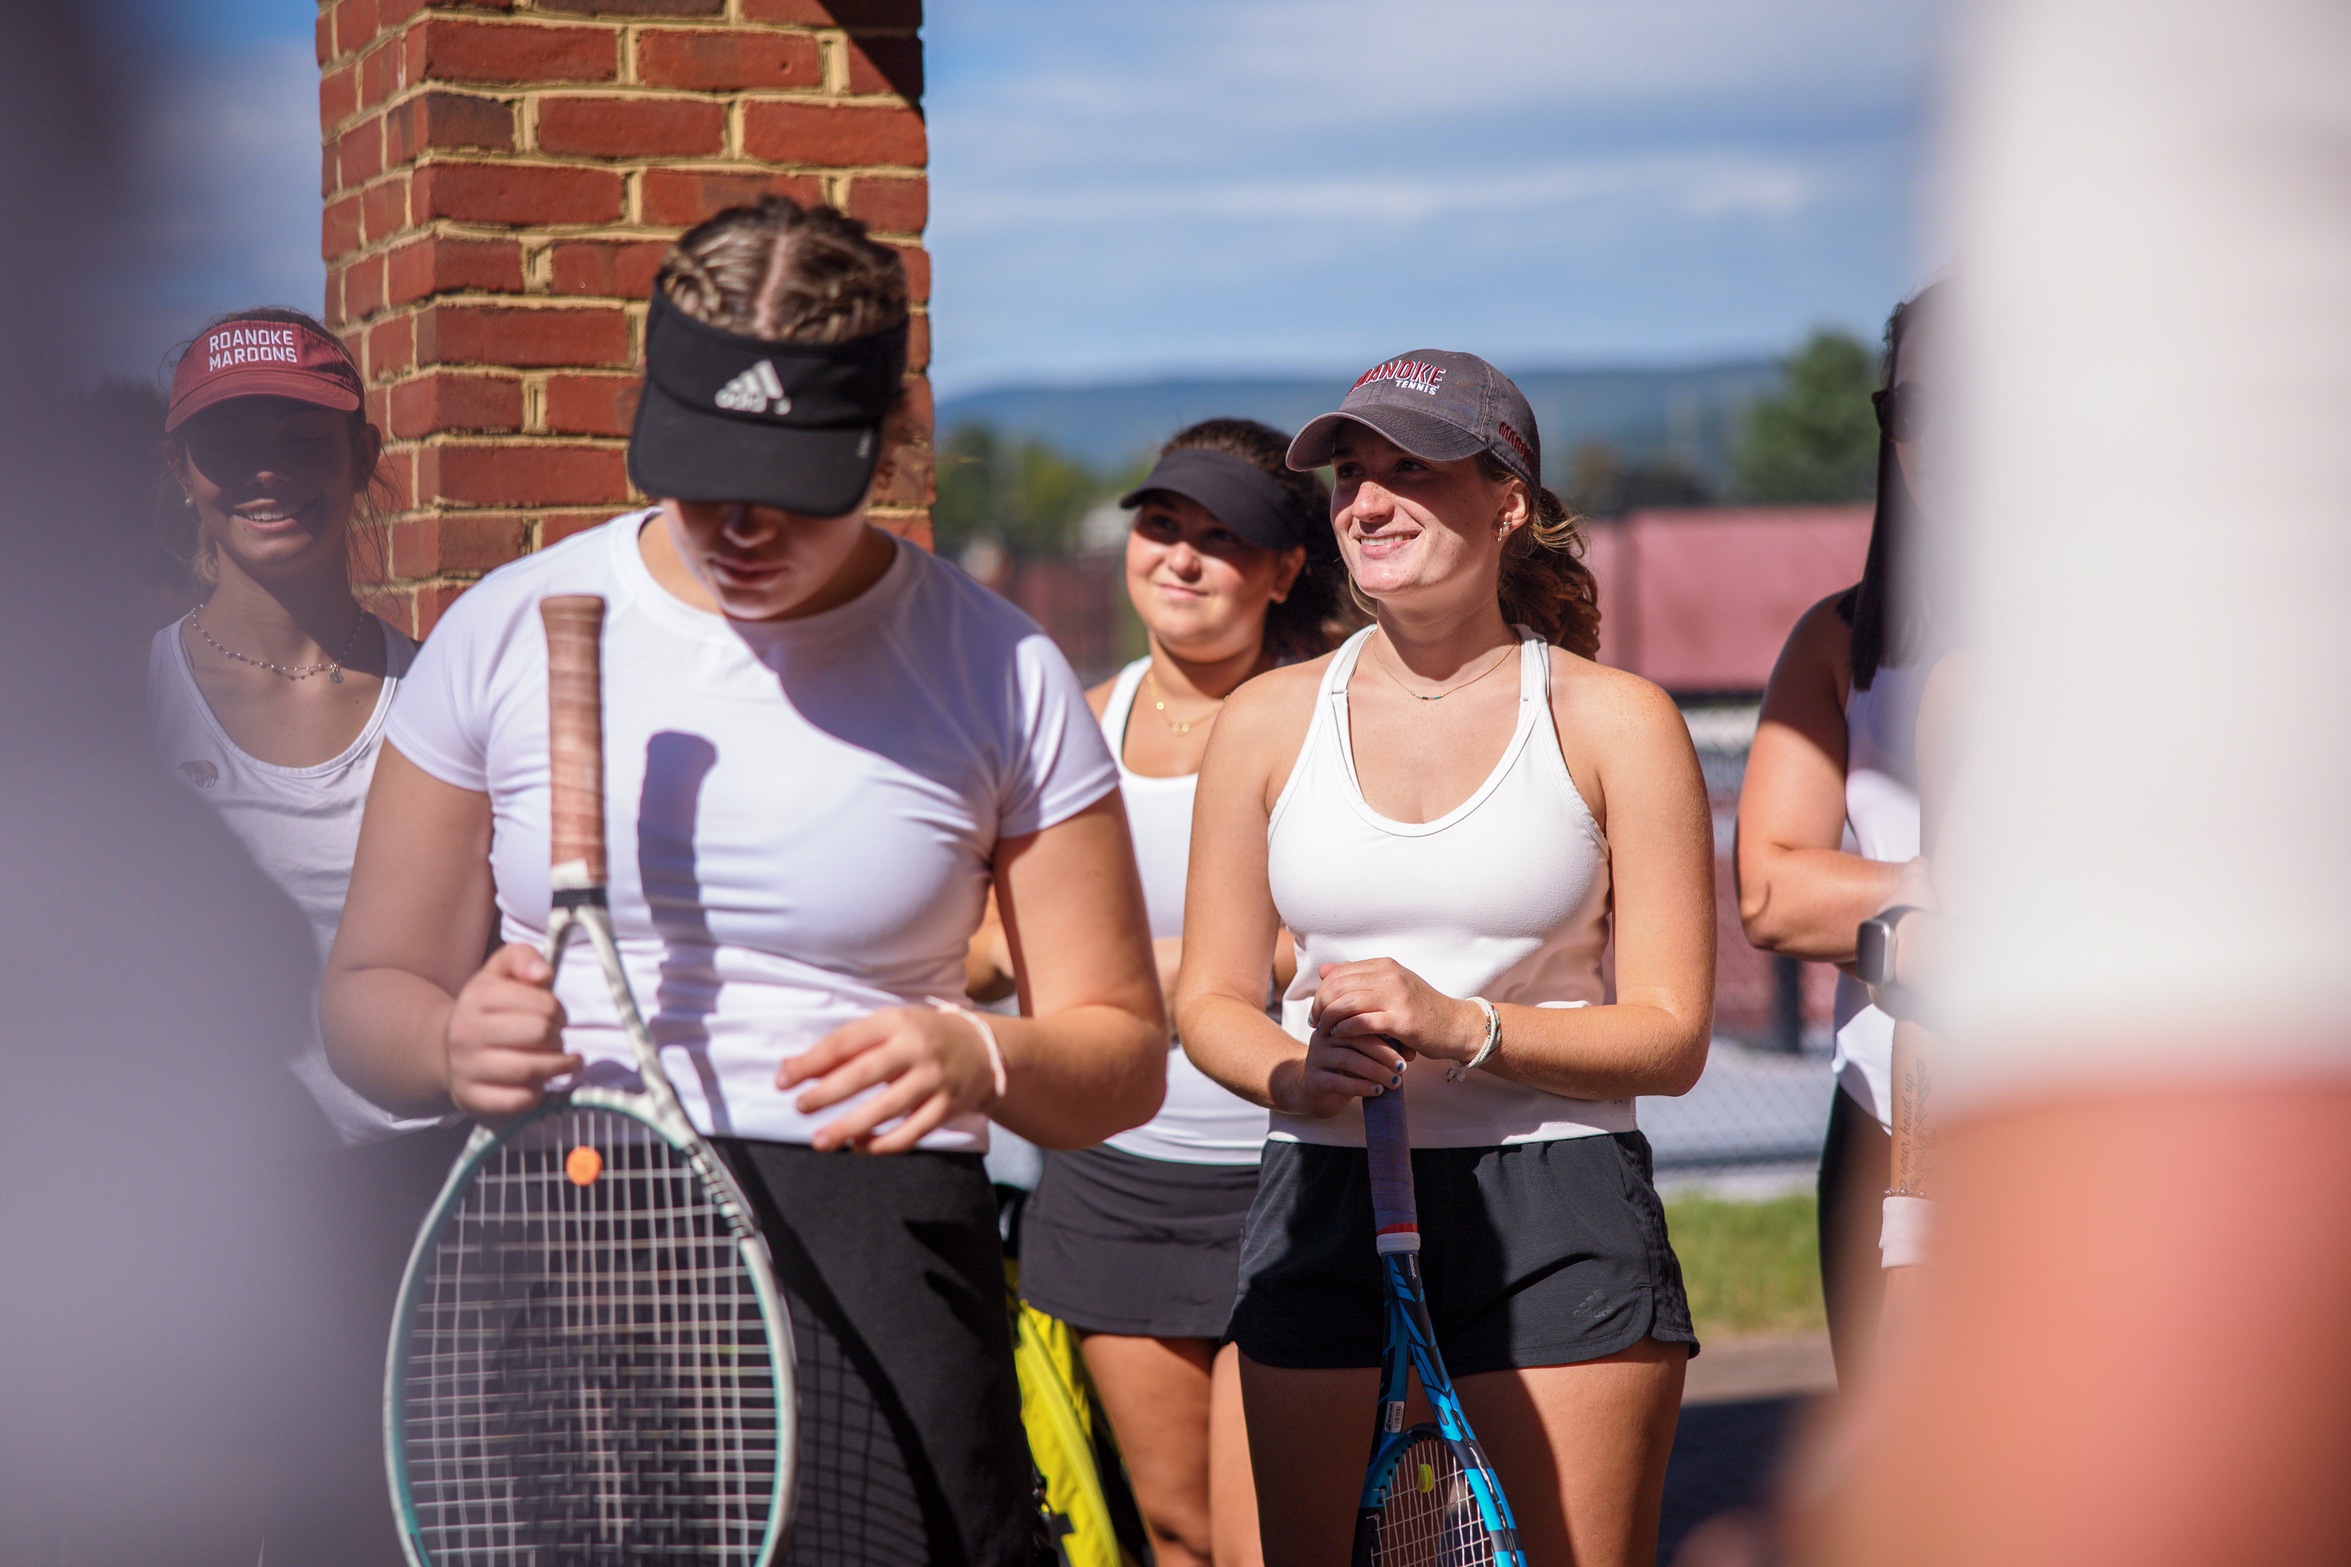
(1124, 187)
(1704, 183)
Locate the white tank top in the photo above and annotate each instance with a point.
(1200, 1121)
(1505, 896)
(299, 824)
(1881, 819)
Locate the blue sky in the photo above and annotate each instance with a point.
(1226, 186)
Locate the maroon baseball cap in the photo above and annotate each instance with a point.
(261, 357)
(1435, 404)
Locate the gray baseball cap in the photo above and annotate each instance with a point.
(1438, 405)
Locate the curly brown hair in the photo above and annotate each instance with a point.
(1545, 584)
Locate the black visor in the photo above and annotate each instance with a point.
(1238, 493)
(731, 418)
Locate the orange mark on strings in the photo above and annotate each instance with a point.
(583, 1164)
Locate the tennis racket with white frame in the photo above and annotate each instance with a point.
(590, 1361)
(1430, 1498)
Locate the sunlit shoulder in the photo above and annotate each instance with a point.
(1264, 722)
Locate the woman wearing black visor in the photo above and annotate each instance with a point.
(823, 748)
(1232, 570)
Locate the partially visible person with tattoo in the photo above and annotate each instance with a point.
(1829, 816)
(1896, 961)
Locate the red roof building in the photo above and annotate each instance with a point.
(1699, 599)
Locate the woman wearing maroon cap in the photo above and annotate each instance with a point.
(1457, 814)
(268, 701)
(269, 697)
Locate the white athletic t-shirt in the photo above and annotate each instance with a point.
(801, 814)
(300, 825)
(2149, 848)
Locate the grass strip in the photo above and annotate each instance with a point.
(1750, 1267)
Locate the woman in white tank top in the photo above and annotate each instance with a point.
(267, 702)
(1455, 813)
(1136, 1244)
(1828, 823)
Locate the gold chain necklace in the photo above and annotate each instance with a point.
(1159, 705)
(1419, 696)
(332, 668)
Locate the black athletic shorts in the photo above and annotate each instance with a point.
(910, 1443)
(1112, 1242)
(1533, 1254)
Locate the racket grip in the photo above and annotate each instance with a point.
(575, 738)
(1387, 1145)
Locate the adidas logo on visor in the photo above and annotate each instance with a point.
(757, 390)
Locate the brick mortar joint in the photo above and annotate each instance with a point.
(552, 22)
(536, 158)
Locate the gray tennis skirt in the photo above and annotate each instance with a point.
(1533, 1254)
(1111, 1242)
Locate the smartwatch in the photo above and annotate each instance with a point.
(1873, 945)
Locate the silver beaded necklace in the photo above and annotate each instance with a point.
(332, 668)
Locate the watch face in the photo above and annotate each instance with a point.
(1873, 950)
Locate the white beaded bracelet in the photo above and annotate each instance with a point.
(1455, 1071)
(988, 1038)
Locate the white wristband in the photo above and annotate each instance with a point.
(1905, 1232)
(1455, 1071)
(987, 1038)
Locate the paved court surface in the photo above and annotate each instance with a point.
(1744, 1399)
(1724, 1459)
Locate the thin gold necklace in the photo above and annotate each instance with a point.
(1183, 726)
(1419, 696)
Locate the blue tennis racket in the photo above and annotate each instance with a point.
(1430, 1498)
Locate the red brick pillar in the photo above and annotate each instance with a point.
(501, 179)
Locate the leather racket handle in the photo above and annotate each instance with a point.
(575, 738)
(1387, 1143)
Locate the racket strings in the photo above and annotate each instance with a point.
(588, 1374)
(1429, 1516)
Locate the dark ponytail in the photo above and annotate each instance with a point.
(1884, 620)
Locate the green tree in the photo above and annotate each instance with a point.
(1024, 494)
(1602, 482)
(1817, 439)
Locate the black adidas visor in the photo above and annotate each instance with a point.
(1238, 493)
(725, 417)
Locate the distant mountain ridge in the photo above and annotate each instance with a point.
(1690, 413)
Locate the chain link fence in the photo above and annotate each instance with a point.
(1764, 1098)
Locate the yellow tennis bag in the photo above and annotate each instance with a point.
(1089, 1509)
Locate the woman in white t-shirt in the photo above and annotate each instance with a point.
(1457, 813)
(267, 701)
(1232, 570)
(822, 748)
(1829, 820)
